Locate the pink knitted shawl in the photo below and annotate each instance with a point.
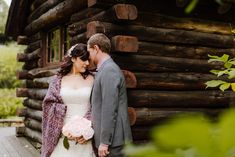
(54, 111)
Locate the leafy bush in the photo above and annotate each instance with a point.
(190, 136)
(9, 103)
(9, 66)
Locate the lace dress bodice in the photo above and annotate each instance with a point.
(78, 103)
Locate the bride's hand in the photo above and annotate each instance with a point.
(81, 140)
(70, 137)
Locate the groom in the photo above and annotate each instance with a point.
(109, 100)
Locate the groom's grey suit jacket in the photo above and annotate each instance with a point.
(109, 106)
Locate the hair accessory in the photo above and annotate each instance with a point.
(70, 50)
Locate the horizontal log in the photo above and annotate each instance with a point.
(20, 131)
(132, 115)
(84, 14)
(33, 46)
(57, 14)
(36, 4)
(23, 74)
(44, 72)
(171, 50)
(34, 114)
(32, 103)
(122, 43)
(33, 124)
(174, 81)
(39, 82)
(21, 92)
(150, 116)
(22, 40)
(130, 79)
(33, 135)
(180, 99)
(100, 3)
(80, 38)
(35, 37)
(142, 63)
(21, 112)
(151, 19)
(141, 133)
(153, 34)
(31, 64)
(38, 94)
(44, 7)
(118, 13)
(23, 57)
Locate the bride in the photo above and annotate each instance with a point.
(68, 96)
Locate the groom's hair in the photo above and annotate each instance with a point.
(101, 40)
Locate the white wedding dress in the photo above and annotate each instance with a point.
(77, 101)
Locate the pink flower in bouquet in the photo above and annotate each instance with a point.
(78, 126)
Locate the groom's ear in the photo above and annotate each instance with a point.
(96, 47)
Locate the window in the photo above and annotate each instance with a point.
(57, 44)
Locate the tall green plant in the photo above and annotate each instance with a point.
(190, 136)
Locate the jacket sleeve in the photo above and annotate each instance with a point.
(52, 120)
(110, 84)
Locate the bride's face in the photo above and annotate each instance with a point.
(79, 66)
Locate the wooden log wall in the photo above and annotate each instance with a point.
(163, 58)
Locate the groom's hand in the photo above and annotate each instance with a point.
(103, 150)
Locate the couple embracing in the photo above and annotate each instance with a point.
(99, 97)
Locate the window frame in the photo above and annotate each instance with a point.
(62, 41)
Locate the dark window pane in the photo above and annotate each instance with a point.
(54, 46)
(66, 40)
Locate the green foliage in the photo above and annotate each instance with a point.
(191, 6)
(9, 66)
(9, 103)
(228, 71)
(3, 15)
(190, 136)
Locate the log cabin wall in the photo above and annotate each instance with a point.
(162, 52)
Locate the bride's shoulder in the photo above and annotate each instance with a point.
(90, 78)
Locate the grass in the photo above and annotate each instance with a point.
(9, 103)
(8, 81)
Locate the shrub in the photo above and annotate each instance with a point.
(9, 103)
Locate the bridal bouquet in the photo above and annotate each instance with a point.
(76, 127)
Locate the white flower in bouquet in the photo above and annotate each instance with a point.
(77, 127)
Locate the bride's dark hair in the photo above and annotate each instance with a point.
(78, 50)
